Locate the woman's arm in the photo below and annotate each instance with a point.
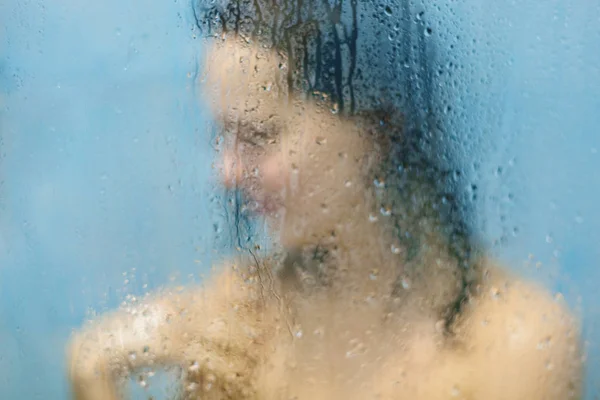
(210, 332)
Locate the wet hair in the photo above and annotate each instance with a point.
(323, 42)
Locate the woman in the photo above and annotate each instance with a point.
(342, 310)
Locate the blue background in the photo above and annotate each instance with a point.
(105, 159)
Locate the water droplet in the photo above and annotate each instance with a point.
(380, 183)
(428, 31)
(455, 391)
(440, 326)
(558, 297)
(192, 387)
(372, 218)
(395, 249)
(373, 274)
(405, 283)
(348, 183)
(298, 332)
(194, 366)
(556, 253)
(357, 348)
(545, 343)
(321, 140)
(388, 11)
(132, 355)
(142, 382)
(549, 238)
(495, 293)
(385, 211)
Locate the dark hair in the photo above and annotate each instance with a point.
(320, 39)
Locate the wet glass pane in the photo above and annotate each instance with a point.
(303, 199)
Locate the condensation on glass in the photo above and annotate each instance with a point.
(346, 249)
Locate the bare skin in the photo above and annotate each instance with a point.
(333, 330)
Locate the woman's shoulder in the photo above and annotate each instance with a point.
(516, 329)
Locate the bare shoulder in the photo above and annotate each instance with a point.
(521, 341)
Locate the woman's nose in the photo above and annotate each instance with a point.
(269, 170)
(232, 169)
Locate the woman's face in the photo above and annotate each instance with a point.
(295, 162)
(255, 165)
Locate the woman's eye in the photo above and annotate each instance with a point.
(260, 138)
(252, 141)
